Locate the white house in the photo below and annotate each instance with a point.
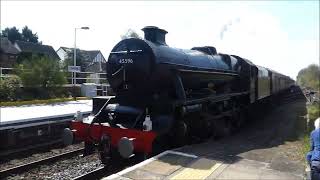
(91, 61)
(92, 56)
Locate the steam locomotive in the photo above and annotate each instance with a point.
(166, 96)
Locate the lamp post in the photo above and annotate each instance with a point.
(74, 79)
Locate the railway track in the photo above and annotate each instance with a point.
(27, 166)
(30, 148)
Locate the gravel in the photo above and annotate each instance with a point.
(64, 169)
(37, 156)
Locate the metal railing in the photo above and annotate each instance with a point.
(2, 75)
(102, 87)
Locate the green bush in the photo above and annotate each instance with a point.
(41, 77)
(313, 113)
(10, 88)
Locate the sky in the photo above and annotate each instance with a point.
(280, 35)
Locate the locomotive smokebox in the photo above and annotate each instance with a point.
(155, 34)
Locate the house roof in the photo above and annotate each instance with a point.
(92, 54)
(95, 67)
(87, 55)
(37, 48)
(7, 47)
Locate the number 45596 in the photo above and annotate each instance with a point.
(125, 61)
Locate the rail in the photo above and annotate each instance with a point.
(27, 166)
(25, 149)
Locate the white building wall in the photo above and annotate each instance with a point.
(99, 58)
(62, 54)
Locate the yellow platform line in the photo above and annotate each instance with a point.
(200, 169)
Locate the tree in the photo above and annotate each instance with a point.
(80, 59)
(130, 34)
(28, 36)
(309, 77)
(42, 76)
(13, 34)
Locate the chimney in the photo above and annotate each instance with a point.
(155, 35)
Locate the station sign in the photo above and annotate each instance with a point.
(74, 69)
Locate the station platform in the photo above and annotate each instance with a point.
(41, 113)
(179, 165)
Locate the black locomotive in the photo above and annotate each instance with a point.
(164, 96)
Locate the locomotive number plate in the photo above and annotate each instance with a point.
(126, 61)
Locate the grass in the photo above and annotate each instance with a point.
(306, 144)
(313, 113)
(39, 101)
